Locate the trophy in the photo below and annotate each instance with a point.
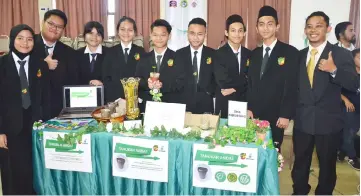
(130, 86)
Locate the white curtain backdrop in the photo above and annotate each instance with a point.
(178, 13)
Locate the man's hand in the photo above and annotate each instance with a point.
(249, 114)
(327, 65)
(228, 91)
(52, 63)
(349, 106)
(3, 141)
(96, 82)
(282, 123)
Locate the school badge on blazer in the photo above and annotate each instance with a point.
(170, 62)
(38, 74)
(209, 60)
(281, 61)
(137, 56)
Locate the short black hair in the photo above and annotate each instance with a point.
(198, 21)
(88, 27)
(129, 19)
(341, 28)
(355, 52)
(233, 19)
(161, 23)
(322, 14)
(56, 12)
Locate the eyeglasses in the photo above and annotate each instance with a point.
(54, 26)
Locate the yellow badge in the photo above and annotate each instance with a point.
(170, 62)
(209, 60)
(247, 63)
(38, 74)
(24, 91)
(137, 56)
(281, 61)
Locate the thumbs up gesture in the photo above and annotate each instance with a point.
(327, 65)
(52, 63)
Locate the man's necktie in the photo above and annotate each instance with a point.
(47, 49)
(25, 94)
(311, 66)
(158, 62)
(126, 54)
(239, 67)
(92, 62)
(195, 70)
(264, 61)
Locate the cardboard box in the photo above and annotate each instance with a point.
(195, 122)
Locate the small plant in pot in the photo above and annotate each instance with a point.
(262, 128)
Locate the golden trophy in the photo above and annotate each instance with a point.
(130, 86)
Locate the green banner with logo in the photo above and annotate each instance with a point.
(59, 146)
(218, 157)
(132, 149)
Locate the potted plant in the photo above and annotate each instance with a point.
(262, 126)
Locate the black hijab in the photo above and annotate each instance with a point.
(13, 33)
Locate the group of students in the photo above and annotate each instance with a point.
(278, 82)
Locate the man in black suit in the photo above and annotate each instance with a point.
(91, 57)
(324, 70)
(121, 60)
(272, 77)
(59, 57)
(200, 73)
(234, 57)
(160, 60)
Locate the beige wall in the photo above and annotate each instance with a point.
(45, 5)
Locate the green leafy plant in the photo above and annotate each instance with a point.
(262, 126)
(225, 135)
(174, 134)
(156, 95)
(77, 136)
(233, 135)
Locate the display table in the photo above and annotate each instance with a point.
(101, 181)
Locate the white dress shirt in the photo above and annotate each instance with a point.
(26, 66)
(320, 49)
(50, 50)
(156, 54)
(270, 46)
(238, 55)
(199, 57)
(99, 50)
(352, 47)
(128, 46)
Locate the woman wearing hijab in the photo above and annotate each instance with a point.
(121, 60)
(23, 99)
(92, 56)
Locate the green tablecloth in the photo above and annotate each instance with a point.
(101, 181)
